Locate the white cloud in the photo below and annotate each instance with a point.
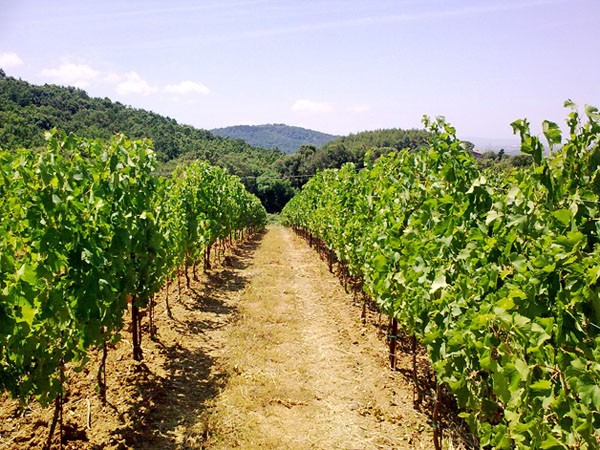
(304, 105)
(112, 77)
(79, 75)
(132, 83)
(9, 60)
(83, 75)
(359, 108)
(128, 83)
(187, 87)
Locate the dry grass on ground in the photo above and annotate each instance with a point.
(265, 351)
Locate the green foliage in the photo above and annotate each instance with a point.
(301, 165)
(275, 136)
(27, 111)
(501, 162)
(85, 224)
(496, 272)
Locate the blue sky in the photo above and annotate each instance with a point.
(334, 66)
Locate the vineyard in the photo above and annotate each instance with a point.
(90, 234)
(495, 273)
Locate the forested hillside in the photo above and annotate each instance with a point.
(27, 111)
(276, 136)
(353, 148)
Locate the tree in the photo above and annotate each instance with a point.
(273, 191)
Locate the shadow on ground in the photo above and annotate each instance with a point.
(165, 416)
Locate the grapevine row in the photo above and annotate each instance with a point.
(88, 232)
(497, 274)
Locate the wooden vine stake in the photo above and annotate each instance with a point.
(393, 344)
(151, 318)
(168, 307)
(437, 428)
(179, 284)
(187, 275)
(363, 314)
(58, 413)
(207, 258)
(136, 330)
(101, 375)
(416, 389)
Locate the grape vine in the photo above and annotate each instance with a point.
(497, 275)
(87, 231)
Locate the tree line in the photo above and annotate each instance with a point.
(27, 111)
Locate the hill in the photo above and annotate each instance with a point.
(353, 148)
(276, 136)
(384, 140)
(27, 111)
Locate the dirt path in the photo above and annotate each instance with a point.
(304, 372)
(263, 352)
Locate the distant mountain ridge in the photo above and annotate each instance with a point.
(278, 135)
(511, 146)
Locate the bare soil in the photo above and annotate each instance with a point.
(265, 351)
